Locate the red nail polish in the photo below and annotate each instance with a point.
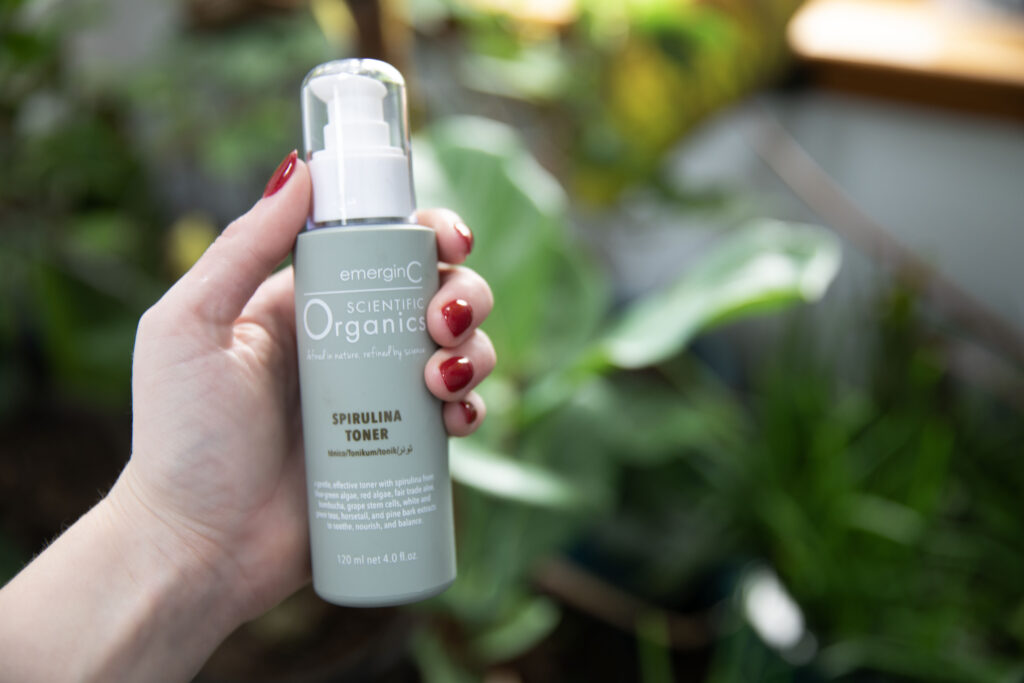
(466, 234)
(468, 411)
(282, 174)
(458, 315)
(456, 372)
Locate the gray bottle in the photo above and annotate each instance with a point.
(380, 514)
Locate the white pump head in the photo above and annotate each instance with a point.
(357, 142)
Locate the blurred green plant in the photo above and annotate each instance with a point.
(615, 84)
(887, 506)
(77, 258)
(225, 102)
(565, 419)
(93, 233)
(884, 505)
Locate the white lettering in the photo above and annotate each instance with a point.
(305, 319)
(418, 277)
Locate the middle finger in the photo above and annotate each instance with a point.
(463, 301)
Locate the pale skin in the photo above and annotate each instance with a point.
(206, 526)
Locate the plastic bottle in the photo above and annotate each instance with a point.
(380, 517)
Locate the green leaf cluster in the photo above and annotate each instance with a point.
(573, 400)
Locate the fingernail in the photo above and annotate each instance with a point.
(458, 315)
(466, 234)
(468, 411)
(456, 372)
(282, 174)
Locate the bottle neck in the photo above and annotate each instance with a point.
(359, 222)
(360, 186)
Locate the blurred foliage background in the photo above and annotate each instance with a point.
(641, 503)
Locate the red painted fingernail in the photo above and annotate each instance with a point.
(282, 174)
(468, 411)
(466, 234)
(456, 372)
(458, 315)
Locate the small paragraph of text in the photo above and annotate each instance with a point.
(375, 505)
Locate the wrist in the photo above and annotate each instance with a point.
(183, 597)
(117, 597)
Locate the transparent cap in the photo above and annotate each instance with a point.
(356, 134)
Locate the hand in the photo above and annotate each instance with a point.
(217, 444)
(206, 527)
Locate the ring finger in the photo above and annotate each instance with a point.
(452, 372)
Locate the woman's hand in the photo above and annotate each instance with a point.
(217, 444)
(207, 523)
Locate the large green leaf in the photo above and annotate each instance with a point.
(504, 477)
(548, 296)
(763, 266)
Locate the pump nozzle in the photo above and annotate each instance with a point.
(355, 112)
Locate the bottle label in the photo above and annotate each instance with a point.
(376, 448)
(380, 301)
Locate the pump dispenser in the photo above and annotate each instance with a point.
(357, 142)
(379, 494)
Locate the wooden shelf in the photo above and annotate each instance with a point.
(918, 50)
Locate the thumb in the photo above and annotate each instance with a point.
(214, 291)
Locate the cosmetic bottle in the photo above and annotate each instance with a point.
(380, 515)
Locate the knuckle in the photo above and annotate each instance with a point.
(485, 341)
(477, 282)
(436, 216)
(149, 321)
(488, 294)
(473, 282)
(168, 315)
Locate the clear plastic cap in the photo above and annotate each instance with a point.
(356, 134)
